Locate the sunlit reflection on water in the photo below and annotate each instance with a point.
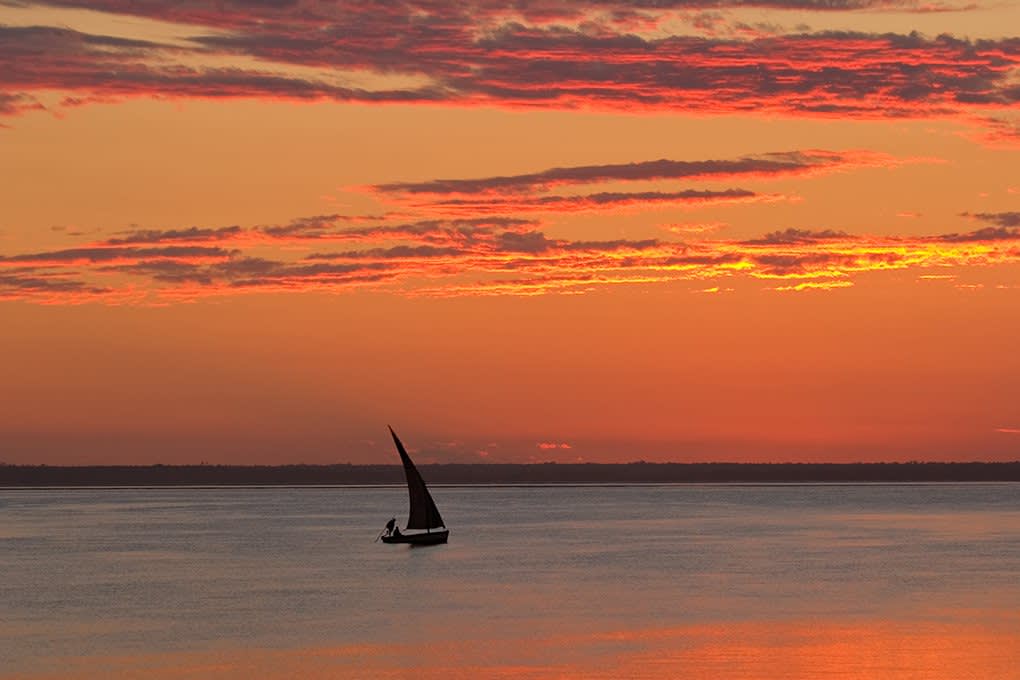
(875, 650)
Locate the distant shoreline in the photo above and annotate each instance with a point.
(504, 474)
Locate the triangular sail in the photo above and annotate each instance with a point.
(423, 513)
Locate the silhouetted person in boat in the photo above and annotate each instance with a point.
(390, 526)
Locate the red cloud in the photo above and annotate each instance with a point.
(484, 55)
(483, 254)
(489, 259)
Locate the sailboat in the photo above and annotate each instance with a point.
(423, 514)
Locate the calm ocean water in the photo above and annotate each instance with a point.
(748, 582)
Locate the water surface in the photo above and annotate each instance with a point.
(729, 582)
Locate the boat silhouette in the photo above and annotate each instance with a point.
(423, 518)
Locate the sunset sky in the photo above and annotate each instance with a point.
(685, 230)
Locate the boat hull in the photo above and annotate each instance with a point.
(431, 538)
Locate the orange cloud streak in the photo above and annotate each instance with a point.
(489, 260)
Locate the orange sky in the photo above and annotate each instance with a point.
(665, 231)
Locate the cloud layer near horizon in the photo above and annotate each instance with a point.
(449, 258)
(487, 236)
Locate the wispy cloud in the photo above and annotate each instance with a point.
(12, 103)
(481, 237)
(602, 201)
(241, 13)
(438, 258)
(795, 236)
(529, 192)
(691, 228)
(984, 234)
(191, 234)
(29, 282)
(1002, 219)
(762, 166)
(104, 253)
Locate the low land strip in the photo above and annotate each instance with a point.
(541, 473)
